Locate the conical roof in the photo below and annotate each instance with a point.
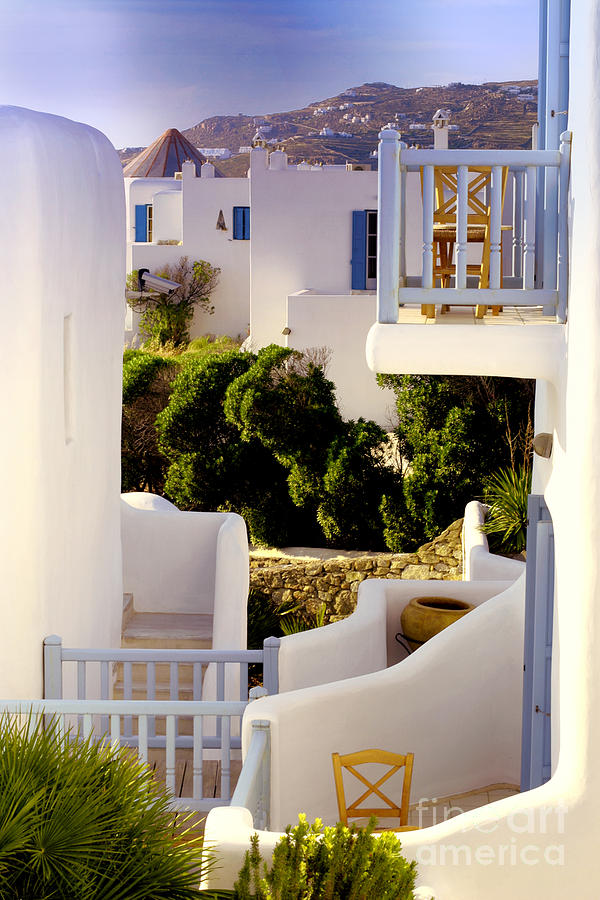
(164, 157)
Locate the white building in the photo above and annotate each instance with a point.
(471, 704)
(299, 247)
(215, 152)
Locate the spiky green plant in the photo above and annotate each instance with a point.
(315, 863)
(506, 493)
(296, 619)
(83, 820)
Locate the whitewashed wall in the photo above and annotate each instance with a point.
(341, 323)
(200, 201)
(167, 216)
(62, 233)
(301, 236)
(139, 191)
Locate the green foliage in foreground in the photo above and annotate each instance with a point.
(82, 820)
(506, 492)
(335, 863)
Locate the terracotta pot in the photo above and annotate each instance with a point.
(425, 616)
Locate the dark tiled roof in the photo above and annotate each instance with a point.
(164, 157)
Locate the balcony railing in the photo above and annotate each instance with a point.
(536, 276)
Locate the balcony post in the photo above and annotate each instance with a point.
(563, 225)
(388, 226)
(52, 667)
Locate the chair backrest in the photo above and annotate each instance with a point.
(389, 809)
(446, 189)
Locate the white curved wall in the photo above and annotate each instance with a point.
(61, 316)
(462, 738)
(455, 703)
(365, 641)
(478, 563)
(186, 562)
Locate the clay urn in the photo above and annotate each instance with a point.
(424, 617)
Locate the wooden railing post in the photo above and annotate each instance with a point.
(388, 226)
(53, 667)
(563, 225)
(271, 664)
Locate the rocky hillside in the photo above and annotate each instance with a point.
(345, 127)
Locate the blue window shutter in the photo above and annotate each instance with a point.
(241, 223)
(141, 222)
(359, 250)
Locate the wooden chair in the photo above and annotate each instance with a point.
(395, 762)
(478, 227)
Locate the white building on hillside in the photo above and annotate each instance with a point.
(299, 245)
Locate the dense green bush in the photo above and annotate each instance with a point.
(452, 432)
(211, 467)
(82, 820)
(146, 387)
(313, 863)
(262, 435)
(336, 469)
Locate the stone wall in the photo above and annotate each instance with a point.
(313, 577)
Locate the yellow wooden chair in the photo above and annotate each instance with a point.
(478, 227)
(390, 809)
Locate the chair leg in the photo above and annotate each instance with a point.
(428, 310)
(480, 311)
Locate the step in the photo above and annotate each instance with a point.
(174, 631)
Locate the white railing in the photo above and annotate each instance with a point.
(253, 787)
(535, 279)
(82, 718)
(141, 674)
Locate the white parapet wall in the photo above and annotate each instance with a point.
(186, 562)
(61, 312)
(463, 737)
(340, 323)
(478, 563)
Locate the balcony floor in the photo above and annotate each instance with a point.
(465, 315)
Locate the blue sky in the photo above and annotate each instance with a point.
(133, 68)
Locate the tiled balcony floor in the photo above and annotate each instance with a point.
(464, 315)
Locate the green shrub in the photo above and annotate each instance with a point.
(506, 492)
(147, 381)
(311, 862)
(356, 478)
(80, 819)
(211, 467)
(337, 472)
(166, 318)
(452, 431)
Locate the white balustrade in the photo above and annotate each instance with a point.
(517, 285)
(82, 719)
(253, 787)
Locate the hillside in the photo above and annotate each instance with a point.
(487, 115)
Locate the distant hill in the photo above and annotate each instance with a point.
(487, 115)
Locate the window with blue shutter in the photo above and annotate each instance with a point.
(359, 250)
(141, 223)
(241, 223)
